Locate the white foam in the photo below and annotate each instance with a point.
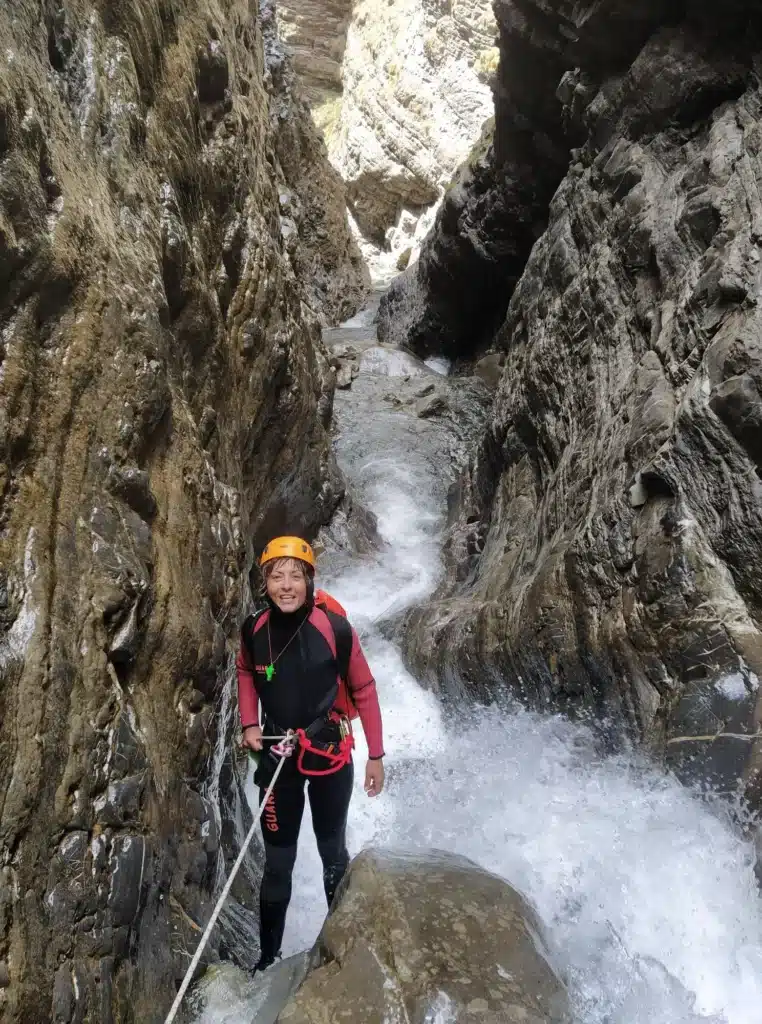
(648, 893)
(438, 364)
(732, 686)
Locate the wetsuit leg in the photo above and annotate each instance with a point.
(329, 802)
(281, 821)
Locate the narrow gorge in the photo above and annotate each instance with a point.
(533, 471)
(400, 91)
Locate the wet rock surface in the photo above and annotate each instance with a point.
(376, 421)
(605, 543)
(164, 404)
(413, 935)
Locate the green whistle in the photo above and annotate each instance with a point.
(269, 672)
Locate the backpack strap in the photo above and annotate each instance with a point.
(247, 631)
(342, 633)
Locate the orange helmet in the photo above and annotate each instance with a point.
(288, 547)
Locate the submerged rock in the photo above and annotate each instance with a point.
(226, 993)
(410, 935)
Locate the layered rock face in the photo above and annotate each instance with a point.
(316, 35)
(606, 542)
(313, 216)
(412, 97)
(411, 938)
(164, 404)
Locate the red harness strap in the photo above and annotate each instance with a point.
(335, 761)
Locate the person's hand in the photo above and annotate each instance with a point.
(374, 777)
(252, 738)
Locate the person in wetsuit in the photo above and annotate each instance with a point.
(289, 659)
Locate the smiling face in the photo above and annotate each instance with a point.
(286, 581)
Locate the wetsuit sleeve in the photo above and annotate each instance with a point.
(248, 699)
(362, 686)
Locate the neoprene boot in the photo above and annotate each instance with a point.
(332, 876)
(272, 922)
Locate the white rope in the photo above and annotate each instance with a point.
(223, 895)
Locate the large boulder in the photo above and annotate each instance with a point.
(606, 542)
(413, 934)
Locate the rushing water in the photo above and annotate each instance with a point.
(647, 889)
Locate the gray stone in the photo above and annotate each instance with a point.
(618, 570)
(638, 492)
(433, 405)
(73, 848)
(120, 804)
(345, 376)
(128, 873)
(5, 975)
(490, 369)
(63, 995)
(125, 643)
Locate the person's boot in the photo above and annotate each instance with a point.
(332, 876)
(272, 922)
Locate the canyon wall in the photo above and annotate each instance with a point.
(605, 246)
(164, 405)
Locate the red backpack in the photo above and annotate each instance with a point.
(329, 604)
(342, 634)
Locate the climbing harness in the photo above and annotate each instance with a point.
(335, 754)
(289, 737)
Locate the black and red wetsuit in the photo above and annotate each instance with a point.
(305, 684)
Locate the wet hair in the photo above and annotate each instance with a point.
(269, 568)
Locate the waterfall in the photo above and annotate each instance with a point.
(647, 888)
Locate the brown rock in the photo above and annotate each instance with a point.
(147, 308)
(432, 405)
(490, 369)
(345, 375)
(409, 932)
